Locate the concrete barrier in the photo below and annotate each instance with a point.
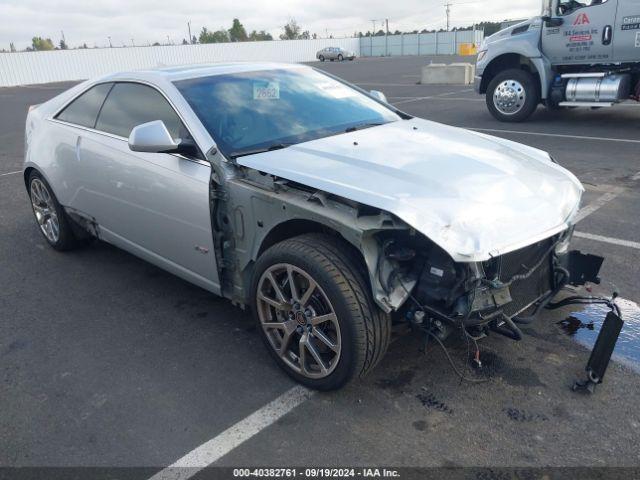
(454, 74)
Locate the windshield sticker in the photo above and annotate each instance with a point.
(336, 90)
(266, 91)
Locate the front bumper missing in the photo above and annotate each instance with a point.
(573, 268)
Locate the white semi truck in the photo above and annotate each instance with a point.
(576, 54)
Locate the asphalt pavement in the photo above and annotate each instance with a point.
(106, 360)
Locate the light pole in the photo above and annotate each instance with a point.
(189, 27)
(110, 45)
(448, 6)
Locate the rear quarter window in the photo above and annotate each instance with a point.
(84, 109)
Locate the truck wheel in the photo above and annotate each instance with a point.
(512, 95)
(315, 312)
(51, 217)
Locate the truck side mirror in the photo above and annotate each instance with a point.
(552, 21)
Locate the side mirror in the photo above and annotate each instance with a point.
(552, 21)
(378, 95)
(152, 137)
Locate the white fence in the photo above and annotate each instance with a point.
(26, 68)
(441, 43)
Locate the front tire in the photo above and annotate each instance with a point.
(321, 58)
(512, 95)
(340, 58)
(315, 312)
(50, 216)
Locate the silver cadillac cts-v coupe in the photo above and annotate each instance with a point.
(325, 210)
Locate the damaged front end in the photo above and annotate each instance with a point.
(497, 295)
(494, 295)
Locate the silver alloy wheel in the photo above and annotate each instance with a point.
(45, 210)
(509, 97)
(299, 320)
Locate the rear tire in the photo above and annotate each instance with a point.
(355, 335)
(321, 58)
(512, 95)
(52, 220)
(340, 58)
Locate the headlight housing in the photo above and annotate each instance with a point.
(562, 248)
(481, 55)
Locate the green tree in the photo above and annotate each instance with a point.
(291, 30)
(237, 33)
(207, 36)
(489, 27)
(260, 36)
(39, 43)
(63, 45)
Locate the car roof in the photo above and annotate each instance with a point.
(185, 72)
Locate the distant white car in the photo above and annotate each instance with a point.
(323, 208)
(335, 53)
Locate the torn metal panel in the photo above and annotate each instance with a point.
(257, 205)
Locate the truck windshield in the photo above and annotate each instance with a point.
(250, 112)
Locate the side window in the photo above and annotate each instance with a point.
(84, 109)
(566, 7)
(131, 104)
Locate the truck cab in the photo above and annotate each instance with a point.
(575, 54)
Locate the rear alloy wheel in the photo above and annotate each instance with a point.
(315, 312)
(50, 216)
(512, 95)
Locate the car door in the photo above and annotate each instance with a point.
(155, 205)
(586, 33)
(626, 44)
(72, 122)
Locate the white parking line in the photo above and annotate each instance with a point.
(613, 241)
(440, 96)
(217, 447)
(558, 135)
(10, 173)
(598, 203)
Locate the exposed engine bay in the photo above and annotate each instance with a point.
(477, 297)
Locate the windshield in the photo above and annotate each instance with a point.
(250, 112)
